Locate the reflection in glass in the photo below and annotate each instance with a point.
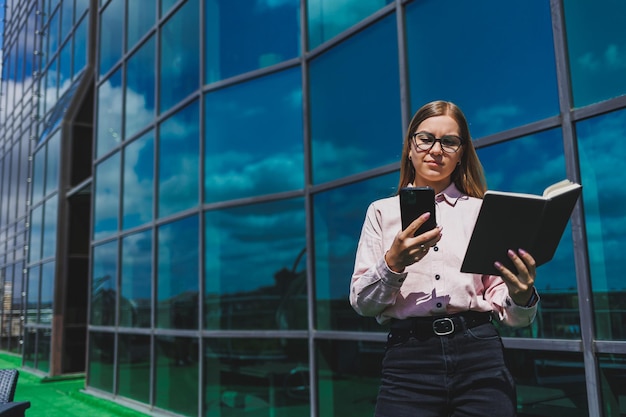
(270, 376)
(65, 68)
(134, 367)
(36, 231)
(100, 366)
(141, 17)
(503, 75)
(176, 374)
(179, 148)
(245, 35)
(47, 293)
(104, 284)
(596, 41)
(136, 280)
(43, 350)
(139, 97)
(107, 197)
(38, 179)
(268, 290)
(111, 35)
(348, 377)
(253, 138)
(53, 160)
(177, 275)
(558, 315)
(601, 149)
(548, 383)
(138, 176)
(612, 371)
(109, 121)
(67, 18)
(338, 219)
(179, 75)
(361, 128)
(50, 227)
(328, 18)
(30, 347)
(32, 295)
(80, 46)
(53, 34)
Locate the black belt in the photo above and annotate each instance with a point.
(421, 327)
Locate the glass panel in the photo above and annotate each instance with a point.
(107, 197)
(264, 154)
(179, 148)
(136, 280)
(30, 346)
(601, 147)
(274, 295)
(104, 284)
(101, 349)
(502, 75)
(612, 372)
(140, 81)
(53, 34)
(138, 181)
(548, 383)
(50, 227)
(596, 41)
(361, 128)
(43, 350)
(328, 18)
(109, 122)
(176, 376)
(338, 217)
(180, 55)
(39, 169)
(141, 18)
(32, 295)
(166, 5)
(52, 166)
(246, 35)
(80, 46)
(47, 293)
(111, 35)
(67, 18)
(558, 316)
(36, 231)
(178, 278)
(65, 68)
(348, 377)
(133, 355)
(270, 376)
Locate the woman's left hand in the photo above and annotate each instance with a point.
(520, 285)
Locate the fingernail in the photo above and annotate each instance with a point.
(521, 251)
(511, 253)
(498, 265)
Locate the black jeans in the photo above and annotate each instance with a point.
(458, 375)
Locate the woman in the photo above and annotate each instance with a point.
(444, 356)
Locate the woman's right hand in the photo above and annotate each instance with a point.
(407, 249)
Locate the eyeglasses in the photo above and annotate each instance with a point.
(424, 141)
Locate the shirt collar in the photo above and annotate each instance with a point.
(450, 195)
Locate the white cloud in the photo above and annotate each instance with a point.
(494, 118)
(612, 59)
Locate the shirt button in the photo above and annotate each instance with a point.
(437, 276)
(439, 305)
(435, 248)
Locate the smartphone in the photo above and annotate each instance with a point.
(415, 201)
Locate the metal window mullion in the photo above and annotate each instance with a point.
(581, 259)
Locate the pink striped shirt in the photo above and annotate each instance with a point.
(434, 285)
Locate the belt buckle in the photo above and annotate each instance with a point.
(443, 326)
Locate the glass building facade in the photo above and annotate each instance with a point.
(183, 184)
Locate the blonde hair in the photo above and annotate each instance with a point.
(469, 176)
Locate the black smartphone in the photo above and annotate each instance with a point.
(415, 201)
